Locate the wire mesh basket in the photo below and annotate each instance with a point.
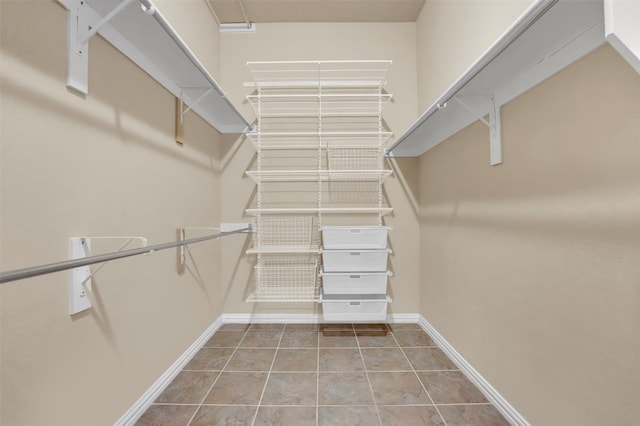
(286, 278)
(284, 232)
(355, 159)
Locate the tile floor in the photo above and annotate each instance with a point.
(307, 374)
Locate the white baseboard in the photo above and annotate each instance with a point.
(270, 318)
(302, 318)
(141, 405)
(476, 378)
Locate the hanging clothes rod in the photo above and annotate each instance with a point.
(34, 271)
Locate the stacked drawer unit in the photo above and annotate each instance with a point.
(354, 273)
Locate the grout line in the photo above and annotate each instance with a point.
(420, 381)
(175, 403)
(466, 403)
(439, 370)
(318, 376)
(219, 374)
(266, 383)
(366, 372)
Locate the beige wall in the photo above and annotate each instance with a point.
(104, 165)
(273, 42)
(194, 22)
(530, 269)
(451, 35)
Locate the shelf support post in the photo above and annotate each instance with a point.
(179, 122)
(495, 134)
(77, 51)
(494, 124)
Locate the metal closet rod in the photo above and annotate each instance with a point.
(34, 271)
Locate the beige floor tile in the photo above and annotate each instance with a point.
(397, 389)
(413, 338)
(299, 339)
(188, 387)
(407, 415)
(251, 360)
(301, 327)
(352, 416)
(338, 339)
(286, 416)
(209, 415)
(429, 359)
(167, 415)
(345, 359)
(209, 359)
(291, 389)
(405, 326)
(266, 327)
(344, 389)
(261, 339)
(368, 341)
(225, 339)
(476, 415)
(237, 389)
(296, 360)
(450, 387)
(384, 359)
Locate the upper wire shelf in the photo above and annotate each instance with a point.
(315, 175)
(315, 140)
(290, 74)
(319, 105)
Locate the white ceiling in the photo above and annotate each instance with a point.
(230, 11)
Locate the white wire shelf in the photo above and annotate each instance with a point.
(319, 105)
(315, 124)
(284, 295)
(289, 74)
(315, 140)
(283, 250)
(315, 175)
(323, 210)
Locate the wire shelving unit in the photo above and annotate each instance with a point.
(320, 146)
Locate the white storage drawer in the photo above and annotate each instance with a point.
(355, 308)
(354, 282)
(362, 237)
(355, 260)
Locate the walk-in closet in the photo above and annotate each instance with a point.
(312, 212)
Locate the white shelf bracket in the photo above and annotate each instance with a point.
(80, 28)
(494, 124)
(80, 278)
(184, 110)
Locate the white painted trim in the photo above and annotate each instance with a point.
(621, 29)
(302, 318)
(476, 378)
(270, 318)
(403, 318)
(140, 406)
